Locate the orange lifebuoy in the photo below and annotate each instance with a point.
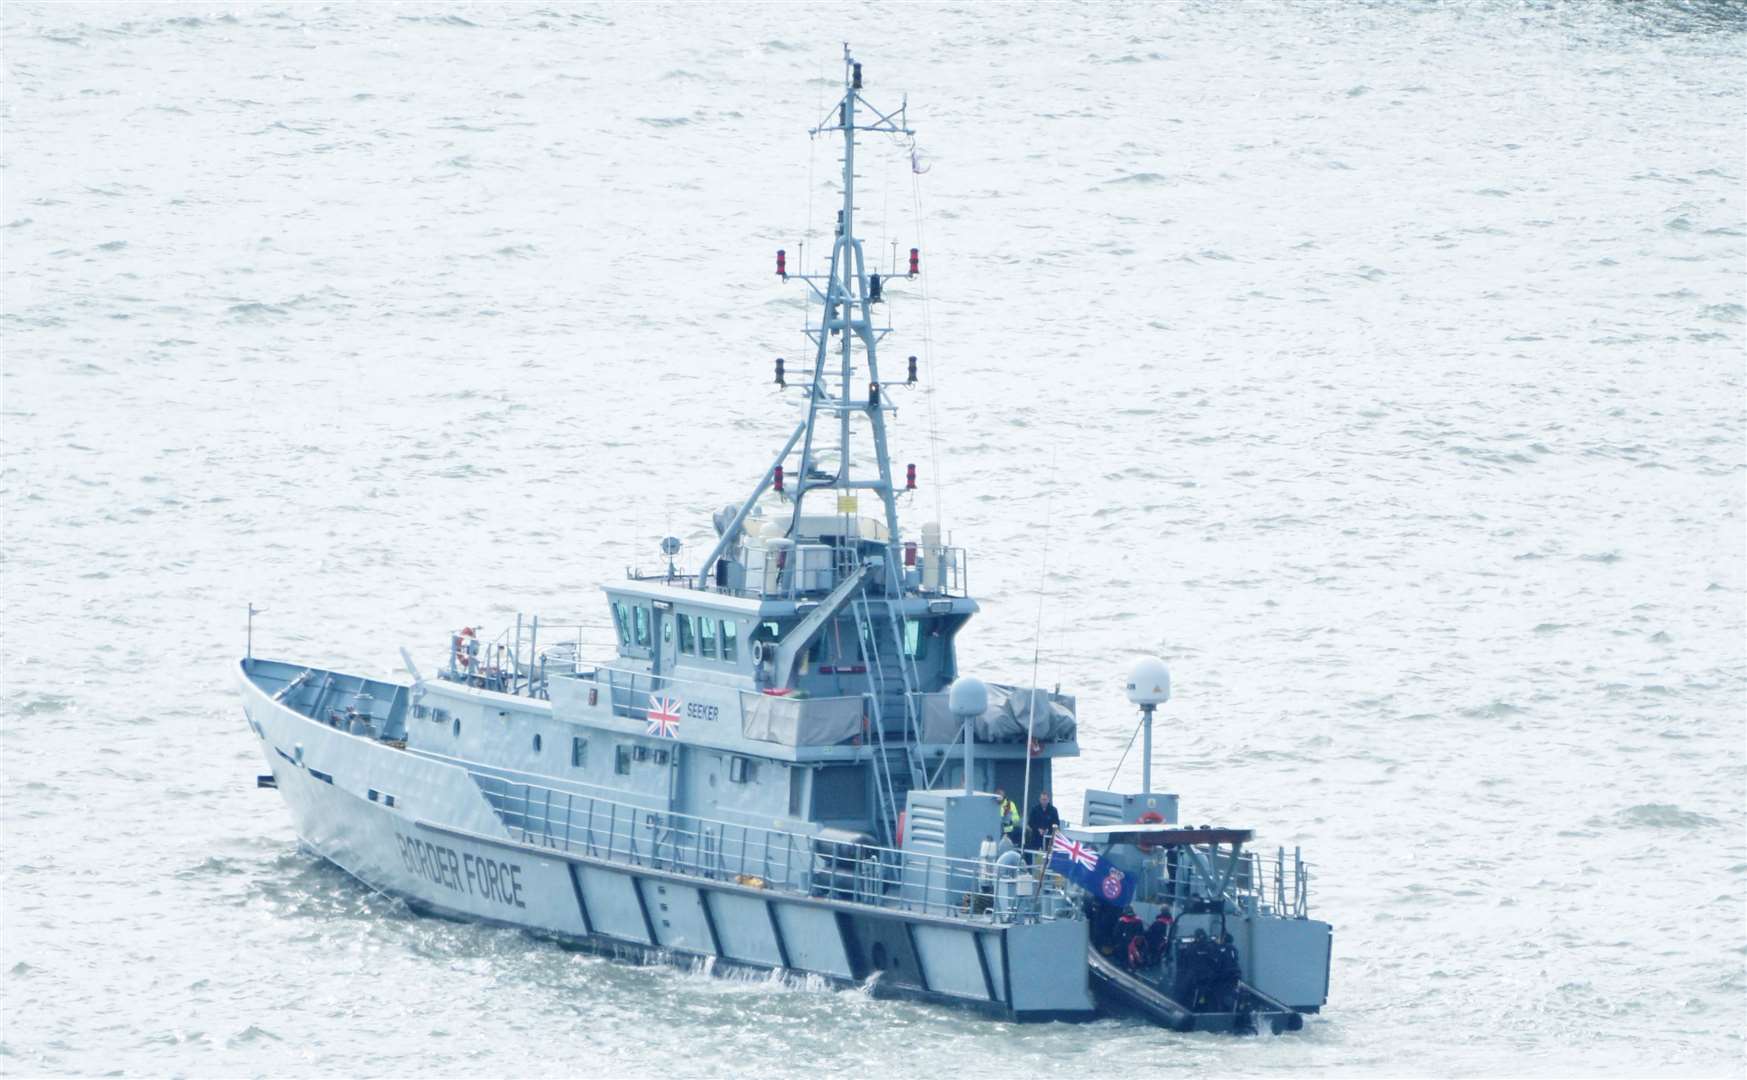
(464, 642)
(1151, 817)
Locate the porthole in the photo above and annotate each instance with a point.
(456, 730)
(536, 744)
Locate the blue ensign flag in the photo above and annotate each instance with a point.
(1083, 866)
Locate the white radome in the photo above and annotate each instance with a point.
(967, 696)
(1149, 682)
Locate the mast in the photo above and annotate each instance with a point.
(847, 301)
(847, 294)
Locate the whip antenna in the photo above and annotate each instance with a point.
(1037, 639)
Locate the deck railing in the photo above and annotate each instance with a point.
(1282, 886)
(809, 865)
(1254, 884)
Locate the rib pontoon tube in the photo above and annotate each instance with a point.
(1118, 990)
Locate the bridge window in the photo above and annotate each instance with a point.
(619, 620)
(707, 637)
(915, 641)
(845, 642)
(578, 752)
(640, 625)
(730, 646)
(687, 636)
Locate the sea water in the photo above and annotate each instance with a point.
(1378, 366)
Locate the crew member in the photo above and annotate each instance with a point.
(1158, 937)
(1226, 973)
(1130, 938)
(1201, 960)
(1041, 822)
(1009, 817)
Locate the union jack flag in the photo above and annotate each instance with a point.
(663, 717)
(1075, 852)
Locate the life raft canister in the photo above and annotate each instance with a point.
(464, 643)
(1151, 817)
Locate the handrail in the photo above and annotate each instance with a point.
(774, 859)
(875, 671)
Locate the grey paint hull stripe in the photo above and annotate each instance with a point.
(581, 901)
(1006, 973)
(983, 962)
(611, 946)
(710, 921)
(643, 906)
(776, 929)
(916, 951)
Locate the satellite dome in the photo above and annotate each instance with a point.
(968, 696)
(1149, 683)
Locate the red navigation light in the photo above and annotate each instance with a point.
(782, 264)
(778, 477)
(909, 553)
(915, 261)
(910, 477)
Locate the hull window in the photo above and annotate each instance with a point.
(578, 753)
(536, 744)
(622, 761)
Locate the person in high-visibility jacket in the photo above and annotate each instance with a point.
(1009, 817)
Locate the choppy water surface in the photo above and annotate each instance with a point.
(1381, 367)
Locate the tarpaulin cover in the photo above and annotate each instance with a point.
(794, 721)
(1010, 709)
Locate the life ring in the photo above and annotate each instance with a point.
(1151, 817)
(758, 652)
(464, 642)
(1036, 748)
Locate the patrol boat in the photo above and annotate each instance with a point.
(781, 767)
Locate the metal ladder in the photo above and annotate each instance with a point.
(907, 674)
(875, 678)
(907, 669)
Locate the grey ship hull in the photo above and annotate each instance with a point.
(417, 827)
